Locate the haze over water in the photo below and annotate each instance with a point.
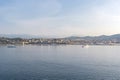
(60, 63)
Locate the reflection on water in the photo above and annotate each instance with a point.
(71, 62)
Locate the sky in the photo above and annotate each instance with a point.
(60, 18)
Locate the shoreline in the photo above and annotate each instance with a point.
(58, 44)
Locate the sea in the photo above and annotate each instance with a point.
(60, 62)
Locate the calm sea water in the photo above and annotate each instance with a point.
(71, 62)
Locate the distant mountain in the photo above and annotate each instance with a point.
(102, 37)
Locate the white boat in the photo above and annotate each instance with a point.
(85, 46)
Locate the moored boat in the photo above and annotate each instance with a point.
(85, 46)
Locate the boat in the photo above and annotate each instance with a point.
(85, 46)
(11, 46)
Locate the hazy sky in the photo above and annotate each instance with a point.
(60, 17)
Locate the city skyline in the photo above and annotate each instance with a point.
(60, 18)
